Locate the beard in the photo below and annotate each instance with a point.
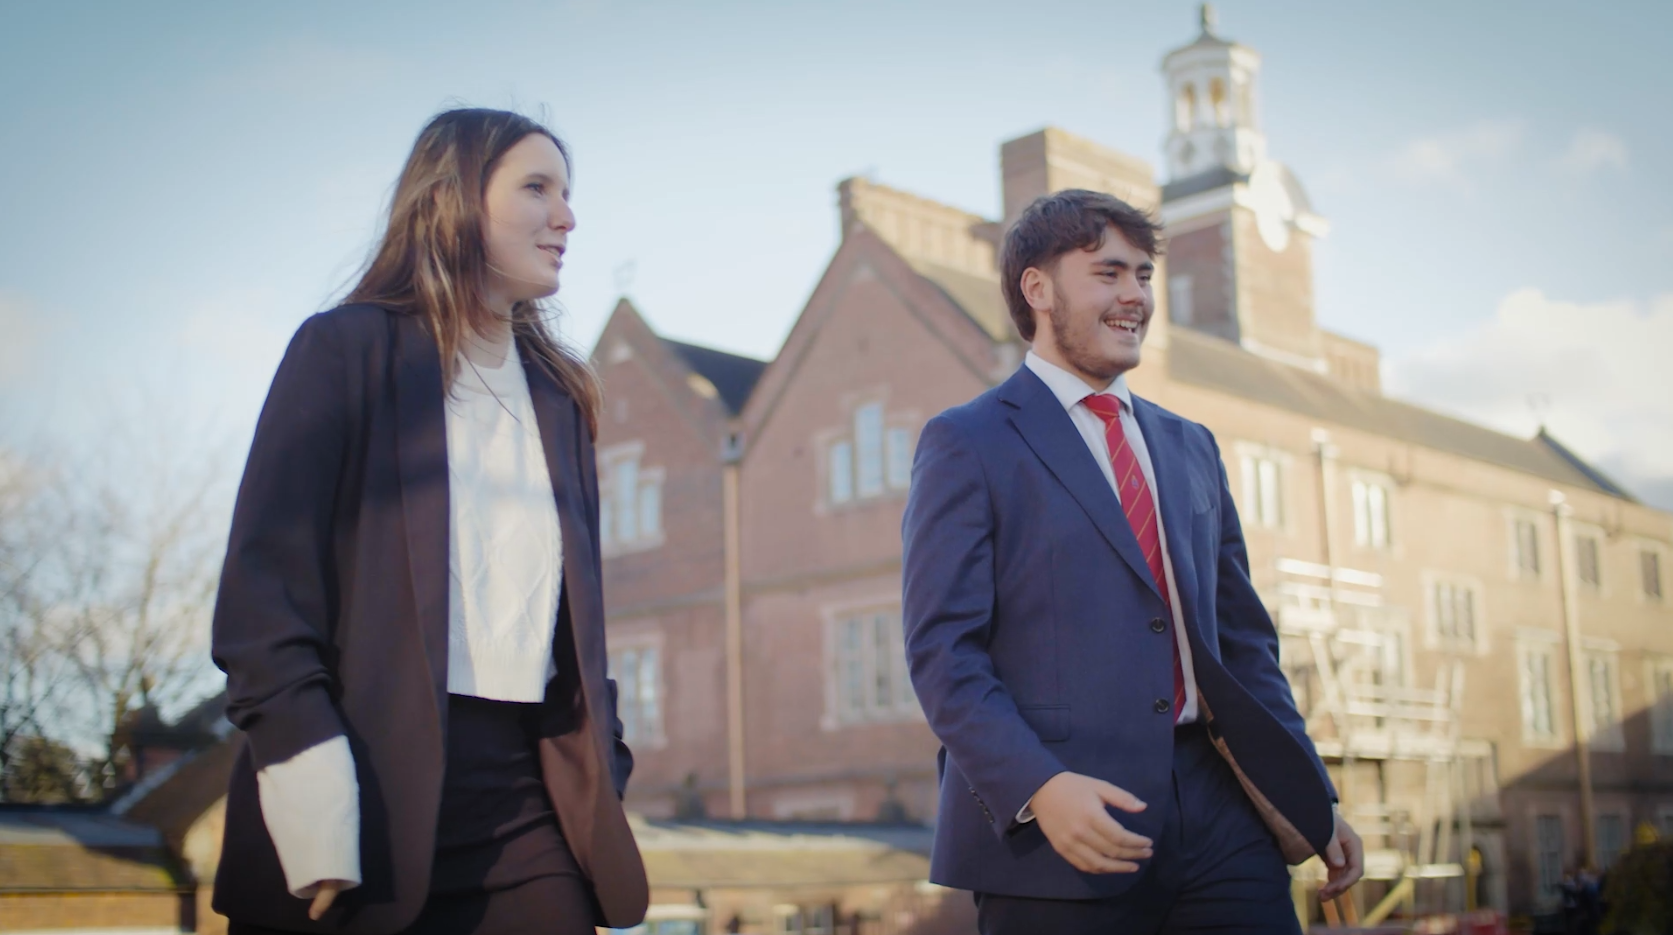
(1076, 342)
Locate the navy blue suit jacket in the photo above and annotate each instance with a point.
(1038, 642)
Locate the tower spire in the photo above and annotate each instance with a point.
(1211, 97)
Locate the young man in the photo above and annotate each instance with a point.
(1121, 752)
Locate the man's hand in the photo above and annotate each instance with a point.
(1345, 858)
(324, 897)
(1071, 811)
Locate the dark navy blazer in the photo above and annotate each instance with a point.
(1038, 643)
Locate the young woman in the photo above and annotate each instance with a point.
(411, 612)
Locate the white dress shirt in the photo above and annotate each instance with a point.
(1071, 390)
(505, 562)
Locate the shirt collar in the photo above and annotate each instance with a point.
(1070, 389)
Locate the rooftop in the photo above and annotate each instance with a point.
(703, 854)
(1215, 363)
(733, 375)
(71, 848)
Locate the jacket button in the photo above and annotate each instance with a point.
(1157, 626)
(1162, 705)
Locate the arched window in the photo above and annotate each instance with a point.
(1245, 105)
(1217, 99)
(1185, 109)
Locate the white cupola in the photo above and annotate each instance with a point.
(1211, 98)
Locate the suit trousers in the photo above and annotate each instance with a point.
(1216, 868)
(502, 866)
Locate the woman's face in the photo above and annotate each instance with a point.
(528, 222)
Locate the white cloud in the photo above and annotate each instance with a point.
(23, 326)
(1592, 150)
(1599, 372)
(1449, 158)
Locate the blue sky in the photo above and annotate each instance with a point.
(185, 182)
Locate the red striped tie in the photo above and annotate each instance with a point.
(1140, 507)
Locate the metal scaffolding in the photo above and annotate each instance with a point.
(1347, 654)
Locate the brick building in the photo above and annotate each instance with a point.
(75, 869)
(1459, 608)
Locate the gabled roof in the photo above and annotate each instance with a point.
(1598, 478)
(69, 848)
(949, 304)
(1214, 363)
(204, 731)
(978, 296)
(183, 792)
(733, 375)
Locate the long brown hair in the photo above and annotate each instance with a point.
(433, 262)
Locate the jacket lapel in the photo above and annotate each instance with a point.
(555, 414)
(1164, 440)
(1052, 435)
(575, 756)
(421, 451)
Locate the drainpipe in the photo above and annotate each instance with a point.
(1327, 503)
(1326, 457)
(1327, 453)
(731, 458)
(1560, 512)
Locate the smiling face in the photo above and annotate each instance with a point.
(1092, 310)
(527, 222)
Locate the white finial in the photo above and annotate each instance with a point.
(1211, 85)
(1539, 404)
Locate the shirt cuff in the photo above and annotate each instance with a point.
(1026, 813)
(311, 804)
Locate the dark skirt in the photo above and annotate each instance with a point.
(501, 866)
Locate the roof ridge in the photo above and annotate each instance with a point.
(733, 376)
(712, 350)
(1312, 393)
(1580, 464)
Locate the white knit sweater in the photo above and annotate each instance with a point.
(505, 558)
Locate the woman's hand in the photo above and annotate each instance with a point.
(326, 895)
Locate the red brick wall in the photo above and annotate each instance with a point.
(1277, 289)
(804, 559)
(27, 911)
(691, 642)
(647, 401)
(670, 594)
(1201, 254)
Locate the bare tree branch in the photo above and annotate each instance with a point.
(107, 581)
